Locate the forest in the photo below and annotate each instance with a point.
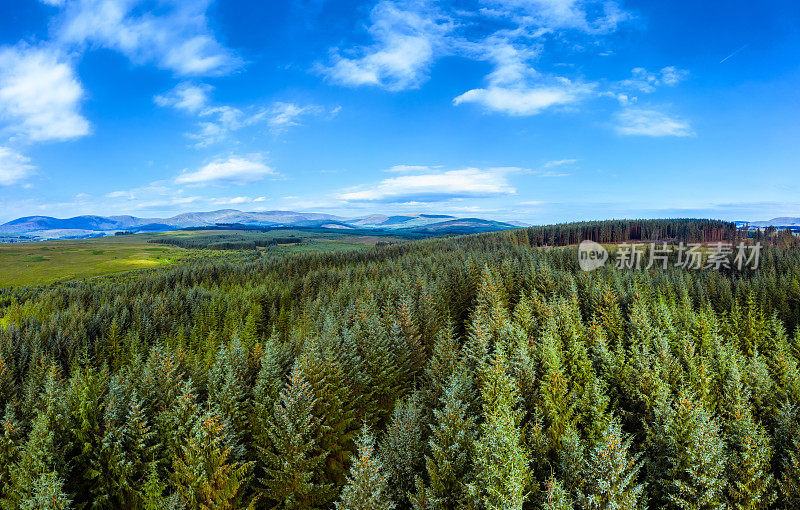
(471, 372)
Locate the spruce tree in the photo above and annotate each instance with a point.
(205, 476)
(402, 447)
(449, 464)
(501, 459)
(610, 474)
(289, 458)
(367, 486)
(686, 457)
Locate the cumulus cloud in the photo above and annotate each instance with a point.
(39, 94)
(524, 100)
(185, 96)
(231, 170)
(433, 187)
(408, 36)
(14, 167)
(642, 122)
(515, 87)
(176, 36)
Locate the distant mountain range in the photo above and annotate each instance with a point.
(784, 221)
(32, 228)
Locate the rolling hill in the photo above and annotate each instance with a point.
(33, 228)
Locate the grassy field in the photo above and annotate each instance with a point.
(53, 261)
(48, 262)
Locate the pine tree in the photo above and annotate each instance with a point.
(555, 497)
(367, 485)
(332, 403)
(750, 483)
(501, 459)
(402, 447)
(610, 476)
(204, 475)
(686, 458)
(288, 458)
(449, 464)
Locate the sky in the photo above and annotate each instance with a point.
(538, 111)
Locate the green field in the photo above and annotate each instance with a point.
(46, 262)
(53, 261)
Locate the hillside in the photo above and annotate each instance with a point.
(45, 227)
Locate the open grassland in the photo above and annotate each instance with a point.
(47, 262)
(53, 261)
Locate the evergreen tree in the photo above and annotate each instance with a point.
(610, 477)
(289, 458)
(449, 465)
(403, 446)
(204, 475)
(686, 457)
(501, 459)
(750, 483)
(367, 486)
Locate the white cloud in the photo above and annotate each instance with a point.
(644, 81)
(174, 36)
(634, 121)
(408, 36)
(559, 162)
(234, 169)
(515, 87)
(14, 167)
(185, 96)
(284, 115)
(410, 169)
(432, 187)
(226, 119)
(589, 16)
(522, 100)
(39, 94)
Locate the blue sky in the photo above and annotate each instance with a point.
(532, 110)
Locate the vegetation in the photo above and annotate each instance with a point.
(470, 372)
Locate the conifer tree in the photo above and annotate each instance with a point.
(686, 457)
(449, 465)
(36, 473)
(402, 447)
(501, 459)
(750, 483)
(289, 458)
(9, 449)
(555, 497)
(332, 403)
(205, 476)
(367, 486)
(610, 476)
